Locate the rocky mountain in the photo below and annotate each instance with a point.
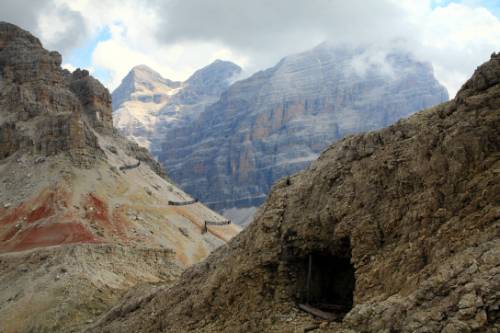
(277, 121)
(84, 213)
(146, 105)
(389, 231)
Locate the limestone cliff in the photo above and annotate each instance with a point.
(276, 122)
(84, 213)
(389, 231)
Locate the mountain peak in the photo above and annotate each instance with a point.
(145, 72)
(218, 70)
(484, 77)
(9, 31)
(142, 68)
(140, 77)
(214, 78)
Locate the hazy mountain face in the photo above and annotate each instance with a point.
(277, 121)
(146, 105)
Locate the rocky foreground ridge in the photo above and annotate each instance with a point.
(84, 213)
(398, 228)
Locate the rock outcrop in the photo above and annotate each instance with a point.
(146, 105)
(84, 213)
(44, 109)
(277, 121)
(395, 230)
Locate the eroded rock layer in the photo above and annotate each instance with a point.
(400, 229)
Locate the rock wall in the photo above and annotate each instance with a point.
(413, 209)
(95, 99)
(46, 110)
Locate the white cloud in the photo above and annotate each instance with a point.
(176, 37)
(57, 25)
(122, 51)
(133, 26)
(69, 67)
(455, 39)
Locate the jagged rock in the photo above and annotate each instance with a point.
(277, 121)
(400, 228)
(95, 99)
(43, 111)
(142, 154)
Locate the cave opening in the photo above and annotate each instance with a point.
(326, 283)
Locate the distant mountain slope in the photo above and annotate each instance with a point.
(278, 120)
(389, 231)
(84, 213)
(146, 105)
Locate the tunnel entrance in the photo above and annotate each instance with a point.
(326, 285)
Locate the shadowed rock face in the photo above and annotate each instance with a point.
(414, 208)
(277, 121)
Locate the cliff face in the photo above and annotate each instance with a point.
(146, 105)
(43, 106)
(84, 213)
(395, 230)
(277, 121)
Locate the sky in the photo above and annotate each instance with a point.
(176, 37)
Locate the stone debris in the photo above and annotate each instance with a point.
(39, 160)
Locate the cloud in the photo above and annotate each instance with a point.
(22, 12)
(177, 61)
(454, 37)
(176, 37)
(133, 40)
(69, 67)
(269, 30)
(59, 27)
